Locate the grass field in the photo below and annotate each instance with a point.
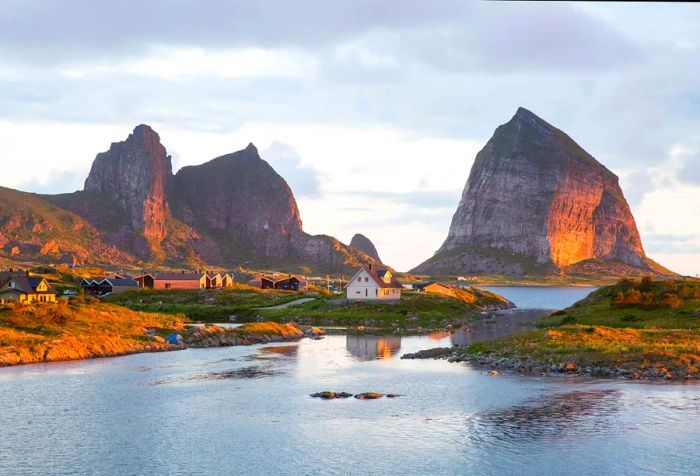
(206, 305)
(638, 325)
(79, 330)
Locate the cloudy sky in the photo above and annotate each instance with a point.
(372, 110)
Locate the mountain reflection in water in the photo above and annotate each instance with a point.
(562, 415)
(372, 347)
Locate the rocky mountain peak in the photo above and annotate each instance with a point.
(535, 201)
(364, 244)
(137, 174)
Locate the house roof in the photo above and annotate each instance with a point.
(278, 279)
(25, 284)
(377, 274)
(178, 276)
(122, 282)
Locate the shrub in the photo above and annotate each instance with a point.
(567, 320)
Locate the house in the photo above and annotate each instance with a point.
(227, 280)
(102, 286)
(439, 288)
(286, 283)
(214, 280)
(23, 288)
(373, 283)
(168, 280)
(117, 286)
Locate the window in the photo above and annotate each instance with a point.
(359, 279)
(168, 285)
(376, 292)
(366, 279)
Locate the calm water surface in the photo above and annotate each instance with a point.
(246, 410)
(542, 297)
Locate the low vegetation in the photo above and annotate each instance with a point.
(206, 305)
(78, 330)
(639, 327)
(415, 312)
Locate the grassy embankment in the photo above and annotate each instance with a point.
(83, 329)
(79, 330)
(414, 313)
(642, 326)
(206, 305)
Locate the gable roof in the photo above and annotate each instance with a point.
(26, 284)
(122, 282)
(178, 276)
(377, 275)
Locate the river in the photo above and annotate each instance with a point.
(246, 410)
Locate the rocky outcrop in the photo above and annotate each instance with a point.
(536, 202)
(364, 244)
(245, 211)
(233, 210)
(137, 175)
(241, 196)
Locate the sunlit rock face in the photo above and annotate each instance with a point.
(364, 244)
(535, 201)
(136, 174)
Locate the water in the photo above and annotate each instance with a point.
(541, 297)
(246, 410)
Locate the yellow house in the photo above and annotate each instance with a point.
(22, 288)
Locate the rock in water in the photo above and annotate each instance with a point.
(364, 244)
(536, 203)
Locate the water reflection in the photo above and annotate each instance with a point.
(372, 347)
(561, 415)
(251, 372)
(496, 325)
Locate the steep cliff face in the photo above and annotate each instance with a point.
(137, 175)
(364, 244)
(245, 212)
(241, 196)
(536, 202)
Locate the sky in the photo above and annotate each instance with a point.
(372, 110)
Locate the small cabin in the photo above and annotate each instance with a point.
(169, 280)
(226, 280)
(215, 280)
(286, 283)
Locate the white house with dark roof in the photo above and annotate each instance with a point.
(374, 283)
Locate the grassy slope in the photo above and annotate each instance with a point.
(205, 305)
(45, 333)
(598, 332)
(414, 310)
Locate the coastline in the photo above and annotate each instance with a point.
(528, 366)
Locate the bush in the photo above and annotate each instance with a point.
(567, 320)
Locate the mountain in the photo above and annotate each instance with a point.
(537, 203)
(364, 244)
(233, 210)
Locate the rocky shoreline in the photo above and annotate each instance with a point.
(216, 336)
(525, 365)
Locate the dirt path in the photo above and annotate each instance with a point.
(288, 304)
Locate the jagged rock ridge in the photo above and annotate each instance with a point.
(233, 210)
(364, 244)
(536, 202)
